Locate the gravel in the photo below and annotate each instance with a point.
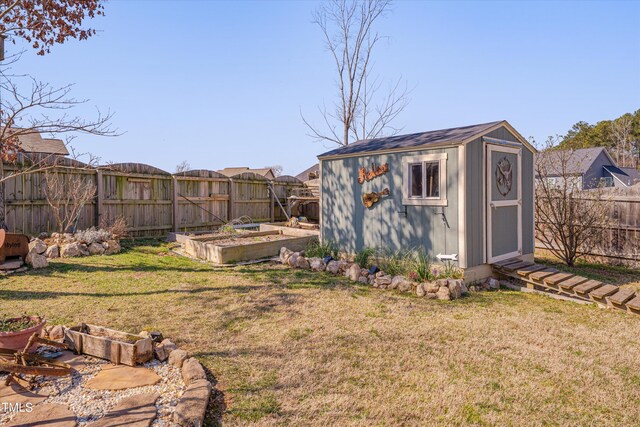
(91, 405)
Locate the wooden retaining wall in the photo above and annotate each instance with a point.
(152, 201)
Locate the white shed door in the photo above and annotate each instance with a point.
(504, 202)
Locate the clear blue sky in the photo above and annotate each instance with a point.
(222, 83)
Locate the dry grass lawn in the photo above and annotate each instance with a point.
(305, 349)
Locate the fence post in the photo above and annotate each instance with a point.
(100, 197)
(272, 205)
(174, 202)
(230, 207)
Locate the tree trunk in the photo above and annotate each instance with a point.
(3, 223)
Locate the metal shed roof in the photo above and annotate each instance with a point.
(451, 135)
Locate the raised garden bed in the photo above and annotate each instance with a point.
(246, 245)
(115, 346)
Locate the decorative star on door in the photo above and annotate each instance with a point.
(504, 176)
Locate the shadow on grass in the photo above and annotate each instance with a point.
(35, 295)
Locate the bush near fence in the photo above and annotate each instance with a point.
(152, 201)
(621, 235)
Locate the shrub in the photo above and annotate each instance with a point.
(315, 249)
(363, 256)
(117, 227)
(421, 264)
(394, 263)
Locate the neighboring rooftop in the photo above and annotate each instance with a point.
(628, 176)
(266, 172)
(451, 135)
(33, 142)
(577, 161)
(311, 173)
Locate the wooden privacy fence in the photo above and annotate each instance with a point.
(153, 202)
(621, 236)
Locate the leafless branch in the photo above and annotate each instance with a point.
(359, 112)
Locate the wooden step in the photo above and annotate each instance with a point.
(539, 275)
(587, 287)
(634, 304)
(603, 291)
(619, 298)
(501, 264)
(555, 279)
(572, 282)
(513, 267)
(530, 269)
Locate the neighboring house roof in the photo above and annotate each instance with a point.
(442, 136)
(577, 162)
(310, 173)
(627, 176)
(266, 172)
(33, 142)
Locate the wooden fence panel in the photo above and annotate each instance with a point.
(202, 199)
(251, 197)
(152, 201)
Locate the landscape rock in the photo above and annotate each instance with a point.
(396, 281)
(420, 290)
(383, 281)
(56, 333)
(36, 260)
(16, 394)
(70, 250)
(192, 371)
(431, 295)
(11, 264)
(67, 237)
(84, 249)
(443, 293)
(353, 273)
(168, 345)
(113, 247)
(455, 290)
(285, 254)
(363, 280)
(138, 410)
(494, 283)
(431, 287)
(293, 258)
(343, 266)
(52, 252)
(405, 286)
(119, 377)
(464, 288)
(302, 262)
(177, 358)
(333, 267)
(47, 414)
(96, 249)
(37, 246)
(43, 235)
(192, 406)
(317, 264)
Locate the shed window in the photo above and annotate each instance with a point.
(424, 180)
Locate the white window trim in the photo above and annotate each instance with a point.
(431, 201)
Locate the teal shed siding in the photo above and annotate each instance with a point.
(348, 223)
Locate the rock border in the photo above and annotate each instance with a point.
(192, 405)
(442, 289)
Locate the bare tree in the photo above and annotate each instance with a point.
(67, 194)
(362, 110)
(29, 106)
(183, 166)
(276, 169)
(621, 134)
(568, 220)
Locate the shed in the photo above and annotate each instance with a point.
(466, 191)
